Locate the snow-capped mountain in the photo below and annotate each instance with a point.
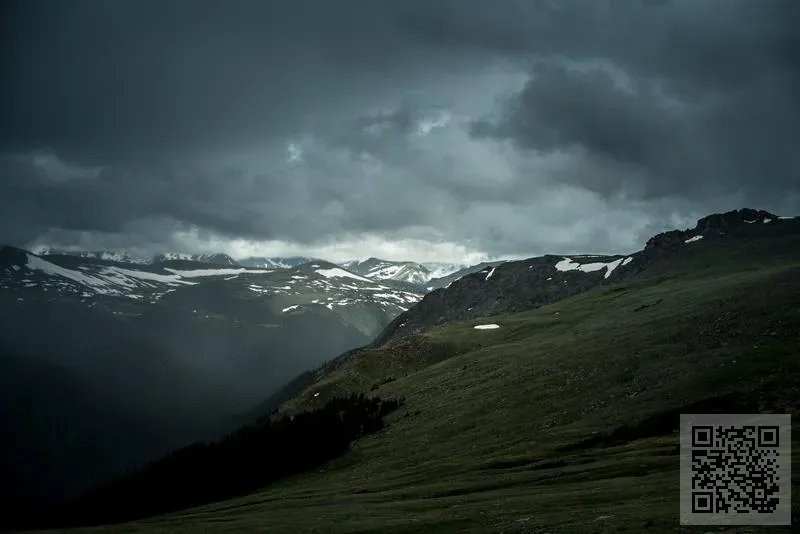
(275, 263)
(359, 301)
(213, 259)
(399, 271)
(373, 268)
(440, 269)
(259, 262)
(107, 255)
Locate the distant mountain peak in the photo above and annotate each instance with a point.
(212, 259)
(399, 271)
(276, 262)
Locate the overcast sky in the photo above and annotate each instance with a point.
(406, 129)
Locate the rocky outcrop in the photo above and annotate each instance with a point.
(713, 226)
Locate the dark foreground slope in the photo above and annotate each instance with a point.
(513, 429)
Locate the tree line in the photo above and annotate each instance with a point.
(247, 460)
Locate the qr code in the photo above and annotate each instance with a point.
(735, 469)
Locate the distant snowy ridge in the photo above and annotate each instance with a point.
(401, 271)
(276, 262)
(115, 281)
(213, 259)
(25, 277)
(91, 279)
(107, 255)
(372, 268)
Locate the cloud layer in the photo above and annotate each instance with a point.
(415, 129)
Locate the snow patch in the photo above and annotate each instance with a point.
(767, 220)
(627, 260)
(611, 266)
(340, 273)
(490, 273)
(290, 308)
(568, 265)
(694, 239)
(215, 272)
(486, 326)
(146, 275)
(37, 263)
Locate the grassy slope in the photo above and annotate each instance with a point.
(488, 411)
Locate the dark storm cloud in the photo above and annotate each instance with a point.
(705, 100)
(96, 79)
(309, 120)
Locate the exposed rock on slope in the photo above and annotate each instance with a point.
(509, 287)
(519, 285)
(718, 225)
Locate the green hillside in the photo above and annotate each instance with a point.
(563, 419)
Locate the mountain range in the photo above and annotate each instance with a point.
(429, 275)
(504, 366)
(423, 274)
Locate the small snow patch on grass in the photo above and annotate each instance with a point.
(486, 326)
(694, 239)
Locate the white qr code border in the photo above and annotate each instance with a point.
(698, 504)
